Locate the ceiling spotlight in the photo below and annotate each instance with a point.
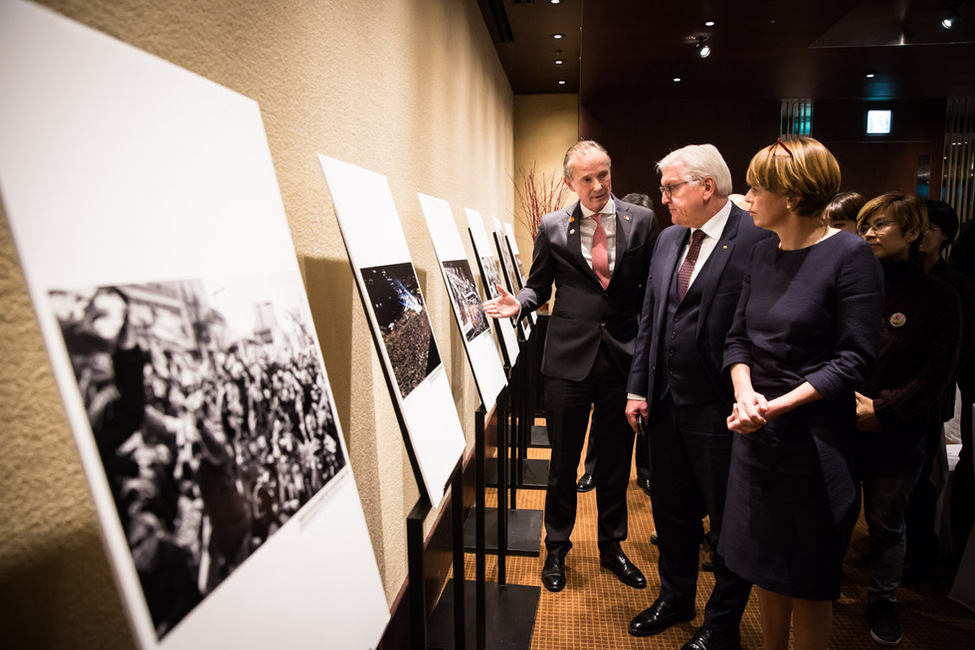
(558, 36)
(703, 49)
(709, 23)
(676, 80)
(561, 81)
(555, 2)
(870, 75)
(558, 57)
(949, 21)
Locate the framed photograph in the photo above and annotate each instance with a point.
(516, 257)
(510, 275)
(491, 278)
(482, 353)
(397, 312)
(150, 228)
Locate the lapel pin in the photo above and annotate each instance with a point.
(724, 248)
(572, 219)
(626, 217)
(572, 232)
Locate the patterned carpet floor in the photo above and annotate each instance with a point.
(594, 608)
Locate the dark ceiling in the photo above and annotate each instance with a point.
(762, 49)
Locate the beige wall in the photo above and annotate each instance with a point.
(411, 90)
(545, 127)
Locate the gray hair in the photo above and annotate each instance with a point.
(698, 161)
(578, 149)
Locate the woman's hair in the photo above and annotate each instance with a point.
(908, 210)
(845, 206)
(800, 167)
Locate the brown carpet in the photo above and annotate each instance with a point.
(594, 608)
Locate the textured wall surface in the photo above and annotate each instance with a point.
(411, 90)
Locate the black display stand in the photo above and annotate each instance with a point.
(517, 531)
(503, 615)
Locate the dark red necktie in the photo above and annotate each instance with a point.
(687, 268)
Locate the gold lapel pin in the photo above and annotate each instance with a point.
(724, 248)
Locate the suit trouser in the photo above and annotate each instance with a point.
(567, 406)
(690, 457)
(641, 458)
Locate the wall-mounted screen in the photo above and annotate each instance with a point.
(878, 122)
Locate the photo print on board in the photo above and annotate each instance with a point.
(460, 279)
(210, 413)
(394, 292)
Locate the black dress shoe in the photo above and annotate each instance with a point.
(707, 639)
(619, 564)
(644, 484)
(553, 573)
(586, 483)
(659, 616)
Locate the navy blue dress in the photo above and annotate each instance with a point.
(806, 315)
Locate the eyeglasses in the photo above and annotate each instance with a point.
(778, 143)
(668, 190)
(877, 226)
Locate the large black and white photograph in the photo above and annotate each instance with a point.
(473, 321)
(210, 414)
(394, 293)
(151, 233)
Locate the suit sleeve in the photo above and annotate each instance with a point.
(538, 286)
(638, 381)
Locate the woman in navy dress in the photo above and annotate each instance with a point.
(803, 340)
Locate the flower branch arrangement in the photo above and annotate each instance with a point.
(538, 194)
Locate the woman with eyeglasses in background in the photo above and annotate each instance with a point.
(803, 340)
(900, 402)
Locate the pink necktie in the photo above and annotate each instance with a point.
(687, 268)
(600, 257)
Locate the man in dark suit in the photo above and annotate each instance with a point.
(676, 386)
(597, 252)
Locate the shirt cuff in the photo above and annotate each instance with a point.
(642, 398)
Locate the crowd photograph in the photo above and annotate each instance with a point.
(212, 418)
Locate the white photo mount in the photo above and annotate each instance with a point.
(137, 189)
(398, 316)
(489, 267)
(510, 274)
(482, 353)
(519, 269)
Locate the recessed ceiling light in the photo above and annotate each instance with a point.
(558, 36)
(555, 2)
(559, 61)
(676, 80)
(709, 23)
(561, 81)
(870, 75)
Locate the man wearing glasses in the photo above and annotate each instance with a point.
(676, 386)
(597, 253)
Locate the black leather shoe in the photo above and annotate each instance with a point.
(708, 639)
(586, 483)
(553, 573)
(619, 564)
(644, 484)
(658, 617)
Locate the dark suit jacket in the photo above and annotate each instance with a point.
(720, 281)
(584, 313)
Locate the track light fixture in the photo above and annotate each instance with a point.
(702, 47)
(949, 20)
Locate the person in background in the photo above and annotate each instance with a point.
(804, 338)
(677, 391)
(642, 456)
(596, 252)
(923, 546)
(901, 401)
(841, 212)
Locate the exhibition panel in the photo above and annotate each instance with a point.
(149, 224)
(487, 262)
(482, 352)
(402, 330)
